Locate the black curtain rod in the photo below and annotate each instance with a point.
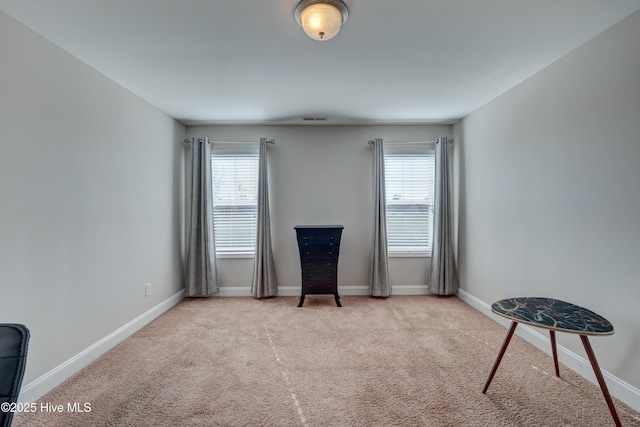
(271, 141)
(433, 141)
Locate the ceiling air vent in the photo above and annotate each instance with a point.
(314, 119)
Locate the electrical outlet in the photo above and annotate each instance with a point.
(147, 289)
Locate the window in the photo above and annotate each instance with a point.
(235, 200)
(409, 185)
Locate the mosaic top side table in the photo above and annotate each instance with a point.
(556, 316)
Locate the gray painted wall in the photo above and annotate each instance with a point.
(550, 191)
(322, 175)
(90, 181)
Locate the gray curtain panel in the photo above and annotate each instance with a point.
(379, 284)
(443, 279)
(265, 283)
(201, 273)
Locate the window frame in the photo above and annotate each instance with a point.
(234, 150)
(411, 149)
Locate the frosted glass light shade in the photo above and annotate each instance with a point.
(321, 19)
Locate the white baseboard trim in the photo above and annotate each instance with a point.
(410, 290)
(344, 290)
(233, 291)
(286, 291)
(618, 388)
(47, 382)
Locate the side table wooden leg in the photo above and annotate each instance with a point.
(603, 385)
(337, 298)
(554, 350)
(301, 300)
(503, 350)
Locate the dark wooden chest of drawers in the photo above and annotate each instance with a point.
(319, 247)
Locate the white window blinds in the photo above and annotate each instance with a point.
(235, 198)
(409, 185)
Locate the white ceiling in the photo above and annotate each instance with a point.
(248, 61)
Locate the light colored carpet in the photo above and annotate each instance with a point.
(401, 361)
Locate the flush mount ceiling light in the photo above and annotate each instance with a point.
(321, 19)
